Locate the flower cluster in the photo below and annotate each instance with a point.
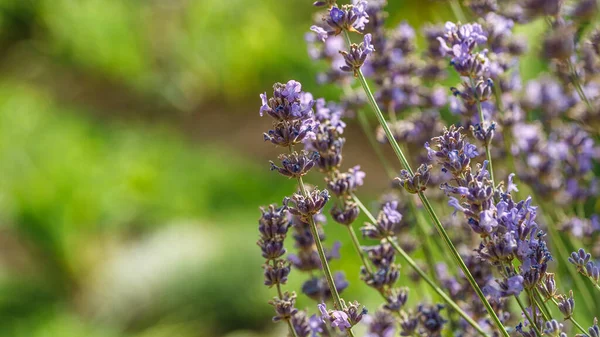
(542, 132)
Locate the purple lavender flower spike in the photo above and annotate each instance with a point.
(357, 55)
(336, 318)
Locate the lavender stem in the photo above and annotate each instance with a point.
(481, 121)
(420, 271)
(427, 204)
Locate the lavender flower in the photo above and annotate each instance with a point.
(387, 219)
(416, 183)
(295, 164)
(284, 307)
(381, 324)
(336, 318)
(511, 286)
(554, 329)
(357, 55)
(288, 103)
(352, 18)
(594, 331)
(566, 305)
(306, 206)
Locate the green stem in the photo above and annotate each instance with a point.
(488, 153)
(421, 272)
(577, 84)
(359, 251)
(428, 207)
(366, 127)
(531, 321)
(291, 326)
(541, 304)
(457, 10)
(572, 320)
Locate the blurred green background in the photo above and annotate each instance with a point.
(132, 163)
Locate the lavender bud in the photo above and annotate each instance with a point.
(452, 151)
(345, 215)
(594, 330)
(484, 136)
(295, 165)
(560, 43)
(289, 133)
(382, 255)
(409, 324)
(418, 182)
(535, 8)
(396, 299)
(274, 222)
(343, 184)
(593, 272)
(548, 286)
(431, 319)
(277, 273)
(288, 103)
(387, 220)
(585, 10)
(271, 248)
(307, 206)
(336, 318)
(385, 276)
(318, 289)
(301, 324)
(580, 259)
(382, 323)
(284, 307)
(357, 55)
(554, 329)
(566, 305)
(355, 312)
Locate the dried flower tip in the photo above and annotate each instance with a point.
(307, 206)
(345, 215)
(295, 165)
(418, 182)
(357, 55)
(277, 273)
(284, 307)
(566, 305)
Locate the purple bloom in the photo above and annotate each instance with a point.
(321, 33)
(336, 318)
(357, 55)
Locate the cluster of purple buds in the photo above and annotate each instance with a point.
(273, 226)
(357, 55)
(418, 181)
(594, 331)
(386, 274)
(459, 42)
(452, 151)
(387, 220)
(554, 329)
(585, 265)
(344, 319)
(351, 18)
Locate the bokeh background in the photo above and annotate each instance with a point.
(132, 162)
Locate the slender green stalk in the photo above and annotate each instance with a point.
(531, 321)
(364, 124)
(291, 326)
(429, 208)
(457, 10)
(421, 272)
(482, 121)
(359, 251)
(577, 84)
(537, 297)
(572, 320)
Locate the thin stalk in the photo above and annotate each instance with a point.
(429, 208)
(488, 153)
(366, 127)
(421, 272)
(572, 320)
(291, 326)
(315, 233)
(359, 251)
(531, 321)
(577, 84)
(540, 304)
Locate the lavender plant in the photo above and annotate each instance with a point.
(498, 265)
